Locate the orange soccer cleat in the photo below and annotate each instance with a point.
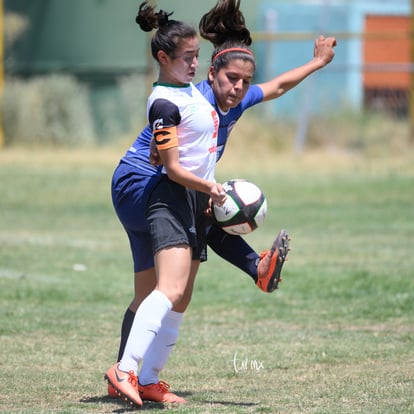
(125, 384)
(112, 393)
(159, 392)
(271, 263)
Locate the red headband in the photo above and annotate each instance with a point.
(232, 49)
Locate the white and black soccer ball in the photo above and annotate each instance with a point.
(244, 209)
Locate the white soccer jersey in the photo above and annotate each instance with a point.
(196, 122)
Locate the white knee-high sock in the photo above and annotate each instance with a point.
(147, 323)
(157, 356)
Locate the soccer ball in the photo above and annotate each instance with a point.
(244, 209)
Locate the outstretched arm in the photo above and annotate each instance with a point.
(323, 54)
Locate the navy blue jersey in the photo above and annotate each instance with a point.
(227, 120)
(138, 153)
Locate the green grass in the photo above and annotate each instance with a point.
(338, 337)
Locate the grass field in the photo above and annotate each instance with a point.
(338, 337)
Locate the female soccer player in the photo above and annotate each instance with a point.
(185, 128)
(228, 88)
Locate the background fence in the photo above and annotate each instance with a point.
(69, 81)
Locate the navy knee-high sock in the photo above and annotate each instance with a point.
(234, 249)
(125, 330)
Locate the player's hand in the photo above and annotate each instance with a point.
(217, 194)
(209, 210)
(324, 49)
(155, 158)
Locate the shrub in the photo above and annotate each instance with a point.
(134, 90)
(47, 110)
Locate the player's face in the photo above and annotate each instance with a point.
(231, 83)
(182, 66)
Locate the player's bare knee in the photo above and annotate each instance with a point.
(181, 307)
(175, 296)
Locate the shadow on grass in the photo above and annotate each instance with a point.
(124, 408)
(104, 399)
(229, 403)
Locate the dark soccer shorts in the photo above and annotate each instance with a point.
(175, 216)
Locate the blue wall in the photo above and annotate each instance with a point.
(339, 85)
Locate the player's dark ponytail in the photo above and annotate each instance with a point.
(170, 32)
(225, 27)
(148, 20)
(223, 23)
